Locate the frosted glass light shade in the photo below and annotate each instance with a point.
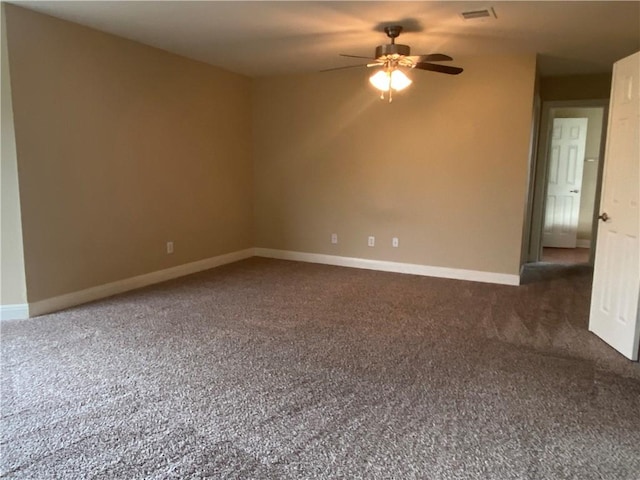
(395, 79)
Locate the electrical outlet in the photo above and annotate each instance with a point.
(395, 242)
(169, 248)
(334, 238)
(372, 241)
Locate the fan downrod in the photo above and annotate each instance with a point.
(393, 31)
(392, 48)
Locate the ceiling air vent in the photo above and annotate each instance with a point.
(479, 13)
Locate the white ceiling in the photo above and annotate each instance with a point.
(269, 38)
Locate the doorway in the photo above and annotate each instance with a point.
(579, 251)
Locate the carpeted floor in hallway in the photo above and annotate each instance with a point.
(268, 369)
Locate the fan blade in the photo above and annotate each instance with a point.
(433, 67)
(355, 56)
(344, 68)
(432, 57)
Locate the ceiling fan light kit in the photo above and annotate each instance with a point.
(392, 57)
(386, 81)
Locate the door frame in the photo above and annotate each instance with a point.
(538, 182)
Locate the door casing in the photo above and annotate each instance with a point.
(539, 179)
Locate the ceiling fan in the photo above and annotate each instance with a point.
(394, 56)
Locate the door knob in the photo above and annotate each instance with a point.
(604, 217)
(574, 191)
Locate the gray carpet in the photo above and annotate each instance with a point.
(269, 369)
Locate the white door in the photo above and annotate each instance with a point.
(616, 276)
(566, 163)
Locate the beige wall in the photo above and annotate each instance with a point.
(12, 282)
(121, 148)
(443, 167)
(590, 172)
(576, 87)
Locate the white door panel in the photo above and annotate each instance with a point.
(564, 182)
(616, 277)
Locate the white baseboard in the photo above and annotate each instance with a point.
(101, 291)
(583, 243)
(385, 266)
(18, 311)
(54, 304)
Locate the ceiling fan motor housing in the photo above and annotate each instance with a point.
(392, 49)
